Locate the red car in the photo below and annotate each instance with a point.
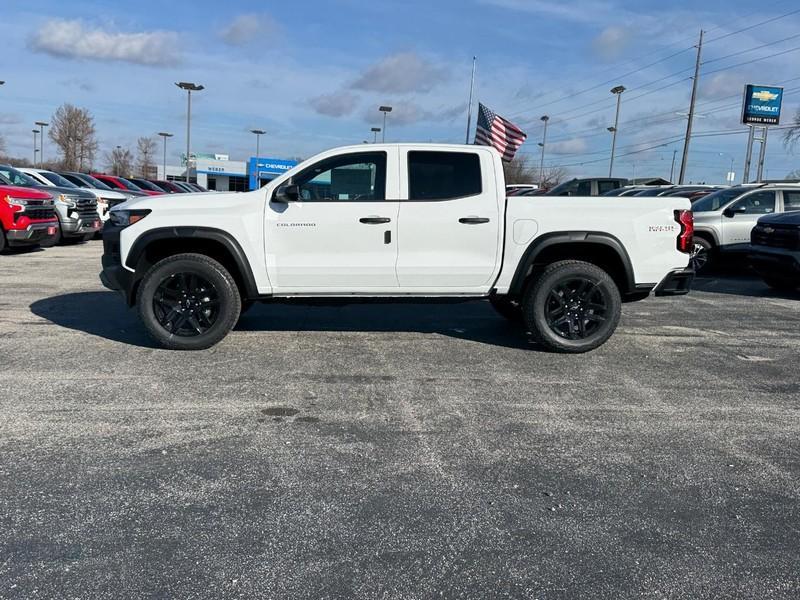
(27, 217)
(120, 183)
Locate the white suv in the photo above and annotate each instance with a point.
(723, 220)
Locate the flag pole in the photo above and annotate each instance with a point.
(471, 91)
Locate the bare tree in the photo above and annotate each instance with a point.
(2, 146)
(146, 150)
(72, 130)
(119, 162)
(792, 135)
(520, 170)
(552, 176)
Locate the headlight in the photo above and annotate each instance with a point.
(67, 200)
(123, 218)
(21, 202)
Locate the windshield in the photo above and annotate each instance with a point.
(129, 184)
(57, 179)
(15, 177)
(146, 185)
(657, 191)
(94, 182)
(718, 199)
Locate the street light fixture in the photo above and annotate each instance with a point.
(189, 87)
(165, 135)
(41, 125)
(385, 110)
(544, 119)
(375, 131)
(617, 91)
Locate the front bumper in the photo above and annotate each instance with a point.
(35, 233)
(80, 226)
(114, 276)
(776, 262)
(676, 283)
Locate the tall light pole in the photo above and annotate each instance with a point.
(35, 148)
(41, 125)
(617, 91)
(189, 87)
(375, 131)
(385, 110)
(544, 120)
(259, 133)
(165, 135)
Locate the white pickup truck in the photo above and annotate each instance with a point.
(395, 221)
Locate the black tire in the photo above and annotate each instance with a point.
(572, 306)
(782, 285)
(702, 256)
(509, 308)
(88, 237)
(3, 243)
(188, 302)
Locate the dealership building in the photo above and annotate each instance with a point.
(218, 172)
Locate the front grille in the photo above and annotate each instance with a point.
(39, 212)
(776, 236)
(87, 209)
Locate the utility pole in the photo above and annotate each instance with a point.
(41, 125)
(189, 87)
(544, 120)
(35, 145)
(672, 168)
(685, 160)
(165, 135)
(617, 91)
(471, 91)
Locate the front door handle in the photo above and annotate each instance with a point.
(374, 220)
(473, 220)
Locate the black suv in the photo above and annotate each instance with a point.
(775, 250)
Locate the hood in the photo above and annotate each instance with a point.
(784, 218)
(180, 203)
(25, 192)
(75, 192)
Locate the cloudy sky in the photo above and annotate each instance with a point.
(314, 76)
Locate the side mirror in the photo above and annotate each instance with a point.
(730, 212)
(287, 193)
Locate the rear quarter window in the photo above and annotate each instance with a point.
(443, 175)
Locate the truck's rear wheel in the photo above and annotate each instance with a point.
(188, 302)
(572, 306)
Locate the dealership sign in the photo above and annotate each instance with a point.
(762, 105)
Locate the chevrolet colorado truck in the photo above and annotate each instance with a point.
(395, 221)
(27, 217)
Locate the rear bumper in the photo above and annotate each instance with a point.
(35, 233)
(676, 283)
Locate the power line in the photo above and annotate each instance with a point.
(749, 27)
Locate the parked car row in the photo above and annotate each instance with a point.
(39, 207)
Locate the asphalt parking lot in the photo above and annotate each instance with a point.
(395, 451)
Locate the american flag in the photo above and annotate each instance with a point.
(494, 130)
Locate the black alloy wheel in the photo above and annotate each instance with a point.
(576, 308)
(186, 304)
(572, 306)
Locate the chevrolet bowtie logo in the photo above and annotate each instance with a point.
(764, 96)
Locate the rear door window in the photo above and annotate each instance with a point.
(443, 175)
(791, 200)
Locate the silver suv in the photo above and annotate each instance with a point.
(723, 220)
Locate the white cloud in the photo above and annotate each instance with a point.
(584, 12)
(72, 39)
(248, 28)
(338, 104)
(410, 113)
(573, 146)
(612, 42)
(400, 74)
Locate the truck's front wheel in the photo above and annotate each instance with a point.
(572, 306)
(188, 302)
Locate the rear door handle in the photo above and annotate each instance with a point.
(374, 220)
(473, 220)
